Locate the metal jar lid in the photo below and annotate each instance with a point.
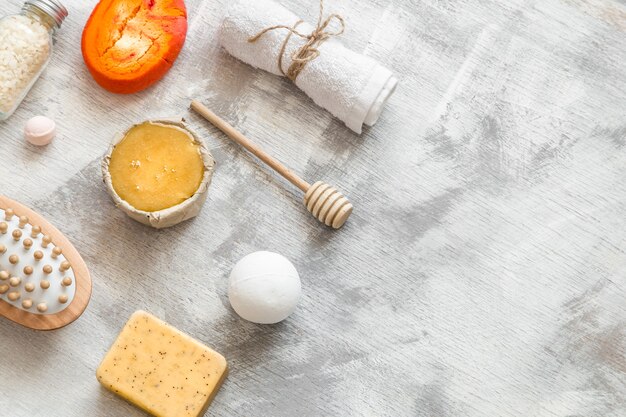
(53, 8)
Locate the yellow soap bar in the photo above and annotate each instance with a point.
(162, 370)
(156, 166)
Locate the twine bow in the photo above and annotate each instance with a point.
(309, 51)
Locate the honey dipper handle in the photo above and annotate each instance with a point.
(238, 137)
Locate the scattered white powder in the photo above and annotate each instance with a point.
(24, 49)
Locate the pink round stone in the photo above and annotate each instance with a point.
(40, 130)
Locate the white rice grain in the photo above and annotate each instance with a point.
(24, 50)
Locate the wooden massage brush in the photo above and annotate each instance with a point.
(44, 283)
(324, 202)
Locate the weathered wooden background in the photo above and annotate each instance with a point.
(482, 274)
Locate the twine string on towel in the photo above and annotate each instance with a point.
(310, 50)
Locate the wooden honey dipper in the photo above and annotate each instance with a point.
(324, 202)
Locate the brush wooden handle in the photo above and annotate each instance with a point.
(81, 274)
(324, 202)
(238, 137)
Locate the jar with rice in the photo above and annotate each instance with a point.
(25, 49)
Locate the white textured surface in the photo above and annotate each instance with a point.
(481, 274)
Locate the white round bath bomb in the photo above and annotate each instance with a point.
(264, 287)
(40, 130)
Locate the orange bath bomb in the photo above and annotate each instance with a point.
(128, 45)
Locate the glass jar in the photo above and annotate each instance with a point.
(25, 49)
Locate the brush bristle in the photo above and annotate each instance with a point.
(35, 276)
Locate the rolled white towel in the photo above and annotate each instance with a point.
(352, 86)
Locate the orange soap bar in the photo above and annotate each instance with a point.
(128, 45)
(161, 370)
